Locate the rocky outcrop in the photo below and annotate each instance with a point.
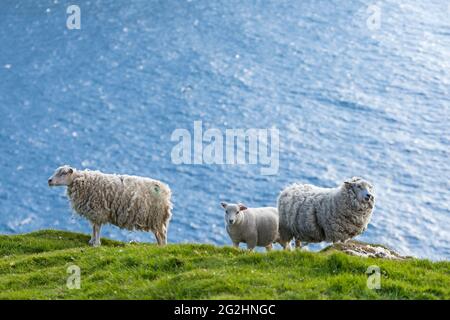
(366, 250)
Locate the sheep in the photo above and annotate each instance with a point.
(253, 226)
(312, 214)
(129, 202)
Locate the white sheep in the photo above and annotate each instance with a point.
(129, 202)
(253, 226)
(312, 214)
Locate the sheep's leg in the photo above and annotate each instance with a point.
(95, 239)
(269, 247)
(236, 245)
(304, 246)
(251, 245)
(97, 242)
(284, 238)
(91, 241)
(285, 244)
(161, 238)
(301, 245)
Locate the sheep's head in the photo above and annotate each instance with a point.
(232, 212)
(63, 176)
(362, 190)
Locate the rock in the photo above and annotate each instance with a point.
(366, 250)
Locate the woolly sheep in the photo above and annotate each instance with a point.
(129, 202)
(312, 214)
(253, 226)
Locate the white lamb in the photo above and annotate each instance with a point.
(129, 202)
(253, 226)
(312, 214)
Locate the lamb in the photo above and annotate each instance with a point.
(253, 226)
(312, 214)
(129, 202)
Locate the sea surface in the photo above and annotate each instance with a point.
(355, 88)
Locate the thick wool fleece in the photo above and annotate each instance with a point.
(314, 214)
(128, 202)
(255, 227)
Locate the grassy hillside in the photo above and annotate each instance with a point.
(34, 266)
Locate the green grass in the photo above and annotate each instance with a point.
(34, 266)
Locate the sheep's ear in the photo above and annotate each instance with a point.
(224, 205)
(348, 183)
(242, 207)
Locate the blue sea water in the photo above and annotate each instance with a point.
(347, 99)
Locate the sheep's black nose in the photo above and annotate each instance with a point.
(231, 221)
